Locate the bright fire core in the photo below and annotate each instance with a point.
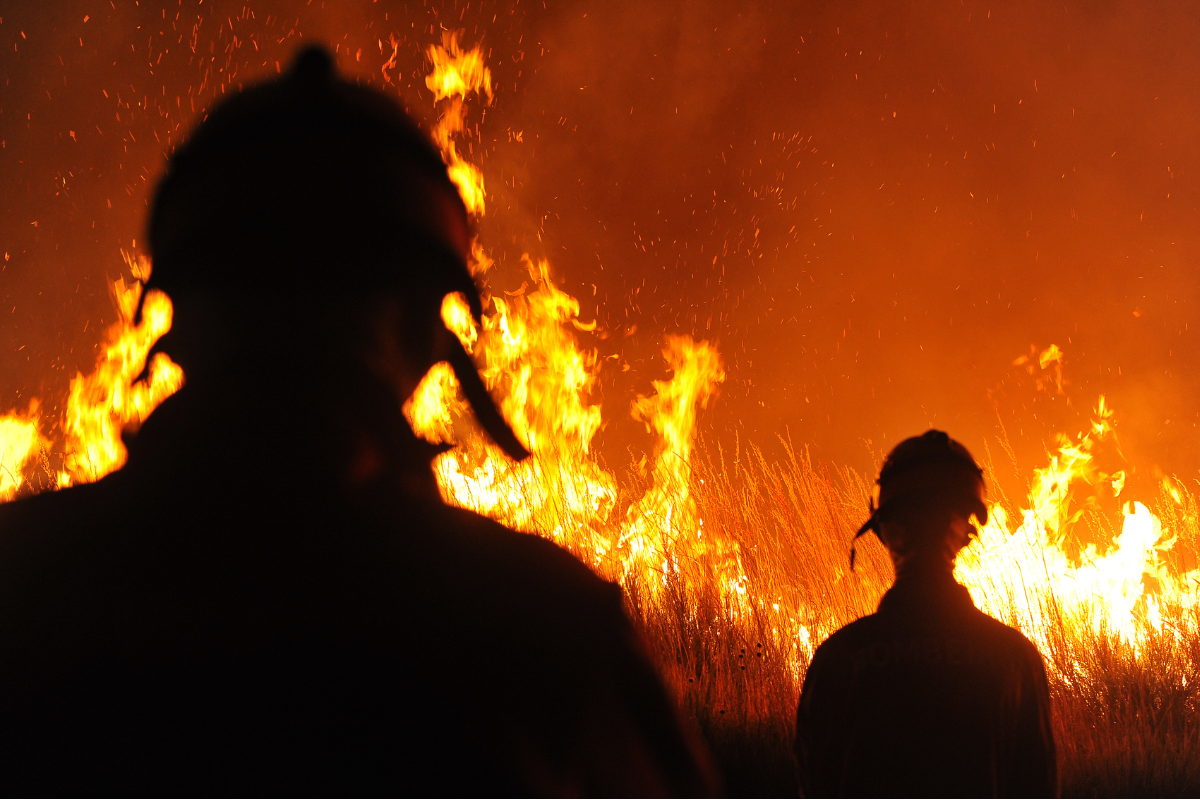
(654, 541)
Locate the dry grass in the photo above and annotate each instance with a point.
(1127, 723)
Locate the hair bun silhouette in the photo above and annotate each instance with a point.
(313, 65)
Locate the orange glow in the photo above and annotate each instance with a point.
(1027, 567)
(1020, 572)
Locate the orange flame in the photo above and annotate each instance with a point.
(19, 440)
(106, 402)
(455, 75)
(663, 525)
(1024, 575)
(529, 354)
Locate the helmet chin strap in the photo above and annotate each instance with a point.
(481, 400)
(872, 524)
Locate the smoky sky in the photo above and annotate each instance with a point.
(871, 208)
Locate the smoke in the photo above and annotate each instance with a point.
(871, 208)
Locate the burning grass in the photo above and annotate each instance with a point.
(737, 568)
(1127, 705)
(1127, 717)
(736, 565)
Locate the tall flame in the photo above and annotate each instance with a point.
(530, 356)
(456, 75)
(663, 525)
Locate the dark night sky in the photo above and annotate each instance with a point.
(871, 207)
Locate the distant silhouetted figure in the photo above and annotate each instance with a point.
(271, 598)
(928, 696)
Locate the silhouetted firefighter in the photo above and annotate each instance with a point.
(928, 696)
(271, 598)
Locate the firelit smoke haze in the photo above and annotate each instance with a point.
(871, 208)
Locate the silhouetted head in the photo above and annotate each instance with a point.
(307, 217)
(929, 489)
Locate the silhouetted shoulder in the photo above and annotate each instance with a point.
(570, 666)
(1008, 642)
(51, 541)
(524, 594)
(961, 622)
(844, 641)
(1008, 637)
(46, 511)
(925, 699)
(522, 557)
(851, 634)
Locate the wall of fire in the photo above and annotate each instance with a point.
(872, 208)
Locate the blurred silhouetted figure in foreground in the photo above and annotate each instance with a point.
(928, 696)
(271, 598)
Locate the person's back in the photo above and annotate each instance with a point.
(270, 597)
(260, 642)
(928, 696)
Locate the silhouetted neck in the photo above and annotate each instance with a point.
(282, 426)
(926, 568)
(925, 588)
